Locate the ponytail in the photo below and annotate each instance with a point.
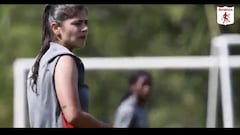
(46, 38)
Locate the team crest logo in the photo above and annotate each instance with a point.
(225, 15)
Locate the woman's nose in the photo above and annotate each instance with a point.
(146, 89)
(84, 29)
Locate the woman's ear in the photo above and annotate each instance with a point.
(55, 28)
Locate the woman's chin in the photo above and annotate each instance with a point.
(81, 45)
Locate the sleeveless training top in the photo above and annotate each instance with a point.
(43, 109)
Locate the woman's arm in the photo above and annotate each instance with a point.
(66, 80)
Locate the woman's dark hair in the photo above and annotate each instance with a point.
(56, 13)
(134, 78)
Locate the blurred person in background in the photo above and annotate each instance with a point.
(57, 95)
(132, 112)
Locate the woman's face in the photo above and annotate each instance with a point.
(73, 32)
(142, 89)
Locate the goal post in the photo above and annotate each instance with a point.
(218, 64)
(220, 48)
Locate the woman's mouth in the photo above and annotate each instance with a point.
(82, 37)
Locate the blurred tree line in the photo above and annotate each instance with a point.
(178, 98)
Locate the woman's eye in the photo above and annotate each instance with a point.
(80, 22)
(86, 22)
(77, 23)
